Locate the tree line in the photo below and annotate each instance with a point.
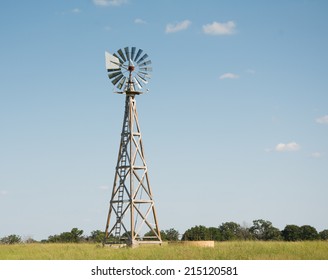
(229, 231)
(260, 230)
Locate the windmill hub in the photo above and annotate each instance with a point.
(131, 68)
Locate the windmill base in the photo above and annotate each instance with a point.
(132, 244)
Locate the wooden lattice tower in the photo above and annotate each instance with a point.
(132, 218)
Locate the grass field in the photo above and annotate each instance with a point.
(242, 250)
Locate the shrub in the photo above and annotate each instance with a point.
(324, 234)
(308, 233)
(11, 239)
(291, 233)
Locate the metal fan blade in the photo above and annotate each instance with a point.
(120, 59)
(142, 79)
(137, 82)
(121, 66)
(114, 70)
(117, 63)
(146, 69)
(111, 62)
(145, 74)
(138, 54)
(113, 75)
(127, 53)
(120, 52)
(133, 52)
(120, 85)
(115, 81)
(142, 59)
(145, 63)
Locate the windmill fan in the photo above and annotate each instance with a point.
(128, 69)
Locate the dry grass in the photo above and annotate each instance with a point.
(242, 250)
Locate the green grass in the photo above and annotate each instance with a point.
(242, 250)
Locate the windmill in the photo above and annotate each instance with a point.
(132, 218)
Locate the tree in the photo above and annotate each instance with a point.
(170, 235)
(291, 233)
(53, 239)
(263, 230)
(215, 234)
(273, 233)
(197, 233)
(97, 236)
(11, 239)
(229, 231)
(66, 237)
(244, 233)
(308, 233)
(324, 234)
(163, 235)
(74, 236)
(152, 234)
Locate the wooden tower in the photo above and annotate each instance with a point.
(132, 218)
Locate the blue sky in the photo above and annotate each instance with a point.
(235, 125)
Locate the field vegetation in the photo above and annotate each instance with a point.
(229, 250)
(261, 241)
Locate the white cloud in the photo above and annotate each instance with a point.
(3, 192)
(139, 21)
(289, 147)
(73, 11)
(322, 120)
(228, 76)
(109, 2)
(76, 11)
(171, 28)
(316, 155)
(217, 28)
